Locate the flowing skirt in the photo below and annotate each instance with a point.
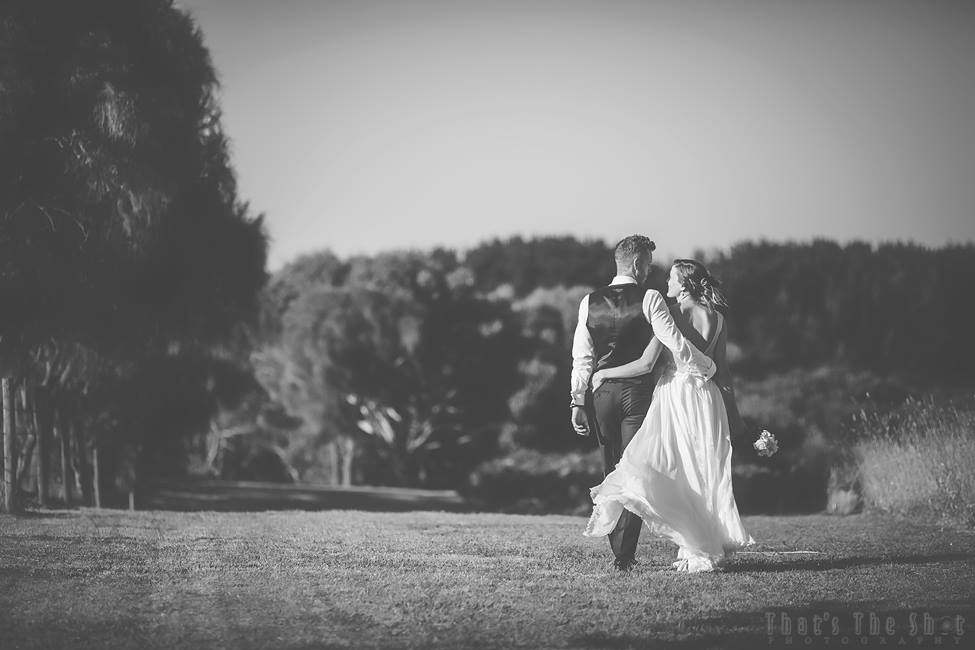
(676, 475)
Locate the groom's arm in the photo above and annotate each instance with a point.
(665, 329)
(582, 354)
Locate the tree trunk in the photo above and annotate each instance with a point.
(334, 467)
(125, 471)
(62, 435)
(42, 432)
(9, 464)
(95, 477)
(348, 456)
(24, 459)
(82, 464)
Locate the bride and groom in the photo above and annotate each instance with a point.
(662, 417)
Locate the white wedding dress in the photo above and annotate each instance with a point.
(676, 472)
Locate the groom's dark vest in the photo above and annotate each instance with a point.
(618, 327)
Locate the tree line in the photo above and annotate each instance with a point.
(409, 368)
(142, 337)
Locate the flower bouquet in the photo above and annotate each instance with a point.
(766, 445)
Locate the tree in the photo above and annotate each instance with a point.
(386, 360)
(120, 229)
(893, 308)
(548, 319)
(335, 342)
(540, 262)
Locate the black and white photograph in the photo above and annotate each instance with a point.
(487, 324)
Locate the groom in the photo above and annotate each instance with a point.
(616, 323)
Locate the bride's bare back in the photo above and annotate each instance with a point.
(697, 323)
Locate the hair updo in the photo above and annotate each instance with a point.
(700, 284)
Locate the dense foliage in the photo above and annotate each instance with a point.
(124, 251)
(893, 308)
(394, 359)
(138, 319)
(365, 351)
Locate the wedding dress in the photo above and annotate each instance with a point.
(676, 472)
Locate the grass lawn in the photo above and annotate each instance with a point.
(350, 579)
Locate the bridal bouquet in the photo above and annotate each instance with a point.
(766, 445)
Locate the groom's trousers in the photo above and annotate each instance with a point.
(618, 408)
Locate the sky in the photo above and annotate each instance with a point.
(367, 125)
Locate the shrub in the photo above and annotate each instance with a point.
(528, 481)
(532, 482)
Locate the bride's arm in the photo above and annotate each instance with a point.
(634, 368)
(665, 329)
(723, 380)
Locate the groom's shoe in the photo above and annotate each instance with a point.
(624, 564)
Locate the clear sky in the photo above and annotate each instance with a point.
(367, 125)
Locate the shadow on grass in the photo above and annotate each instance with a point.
(818, 624)
(250, 496)
(45, 514)
(770, 565)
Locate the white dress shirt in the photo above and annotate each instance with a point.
(664, 328)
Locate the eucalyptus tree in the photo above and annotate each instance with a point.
(335, 342)
(393, 359)
(120, 227)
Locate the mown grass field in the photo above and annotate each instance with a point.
(350, 579)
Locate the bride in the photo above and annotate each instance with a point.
(676, 472)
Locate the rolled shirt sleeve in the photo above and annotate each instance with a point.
(582, 356)
(664, 328)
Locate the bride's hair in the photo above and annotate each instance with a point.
(700, 284)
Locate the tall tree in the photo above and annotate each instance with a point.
(392, 358)
(120, 228)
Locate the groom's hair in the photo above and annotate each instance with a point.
(633, 246)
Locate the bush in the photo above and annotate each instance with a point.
(527, 481)
(532, 482)
(917, 460)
